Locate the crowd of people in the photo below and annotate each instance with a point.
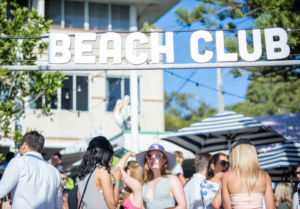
(154, 180)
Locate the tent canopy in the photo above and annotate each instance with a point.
(217, 132)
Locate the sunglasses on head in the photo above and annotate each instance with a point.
(223, 163)
(157, 156)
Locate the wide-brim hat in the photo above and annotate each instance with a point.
(171, 158)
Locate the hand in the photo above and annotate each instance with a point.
(117, 175)
(132, 154)
(121, 200)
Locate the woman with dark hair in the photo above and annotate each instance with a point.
(99, 189)
(161, 189)
(211, 187)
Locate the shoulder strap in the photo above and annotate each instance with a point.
(85, 188)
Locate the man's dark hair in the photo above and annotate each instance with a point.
(34, 140)
(297, 166)
(57, 154)
(9, 156)
(201, 161)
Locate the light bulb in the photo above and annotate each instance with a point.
(49, 105)
(79, 88)
(170, 74)
(279, 109)
(67, 95)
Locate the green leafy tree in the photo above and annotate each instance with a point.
(271, 87)
(182, 109)
(25, 86)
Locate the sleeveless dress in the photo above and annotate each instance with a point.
(93, 199)
(247, 200)
(208, 192)
(161, 197)
(128, 204)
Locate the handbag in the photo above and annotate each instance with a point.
(85, 188)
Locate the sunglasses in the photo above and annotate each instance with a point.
(157, 156)
(297, 173)
(19, 145)
(223, 163)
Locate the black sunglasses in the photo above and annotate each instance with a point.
(297, 173)
(223, 163)
(19, 145)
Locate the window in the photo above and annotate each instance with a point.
(22, 3)
(74, 14)
(53, 11)
(74, 95)
(98, 16)
(117, 88)
(120, 17)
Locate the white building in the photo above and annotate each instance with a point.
(85, 104)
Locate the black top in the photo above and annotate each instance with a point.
(72, 198)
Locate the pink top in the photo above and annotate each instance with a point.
(127, 204)
(247, 200)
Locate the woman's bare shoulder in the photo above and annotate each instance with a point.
(228, 174)
(101, 170)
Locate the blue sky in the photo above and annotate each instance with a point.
(207, 77)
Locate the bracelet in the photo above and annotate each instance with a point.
(117, 184)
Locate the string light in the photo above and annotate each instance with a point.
(170, 74)
(224, 92)
(67, 95)
(79, 88)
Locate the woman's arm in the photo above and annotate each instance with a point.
(124, 159)
(225, 193)
(269, 197)
(178, 192)
(217, 201)
(111, 195)
(134, 184)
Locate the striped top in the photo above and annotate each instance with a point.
(161, 197)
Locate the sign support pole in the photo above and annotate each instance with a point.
(134, 89)
(220, 90)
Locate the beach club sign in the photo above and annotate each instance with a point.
(275, 49)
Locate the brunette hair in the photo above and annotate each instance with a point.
(136, 172)
(148, 174)
(213, 160)
(99, 153)
(201, 161)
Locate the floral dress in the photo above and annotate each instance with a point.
(208, 192)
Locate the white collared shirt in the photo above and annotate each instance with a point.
(33, 182)
(192, 192)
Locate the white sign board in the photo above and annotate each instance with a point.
(274, 49)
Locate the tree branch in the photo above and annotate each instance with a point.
(220, 11)
(254, 10)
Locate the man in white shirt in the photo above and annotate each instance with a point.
(32, 181)
(192, 188)
(295, 197)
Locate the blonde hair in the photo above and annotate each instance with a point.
(148, 174)
(283, 194)
(136, 172)
(243, 161)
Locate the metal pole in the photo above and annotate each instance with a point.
(220, 90)
(291, 177)
(134, 89)
(65, 67)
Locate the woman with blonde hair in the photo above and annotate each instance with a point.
(161, 189)
(283, 196)
(133, 178)
(246, 184)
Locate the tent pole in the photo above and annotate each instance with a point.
(291, 178)
(229, 144)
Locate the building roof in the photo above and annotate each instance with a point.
(287, 125)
